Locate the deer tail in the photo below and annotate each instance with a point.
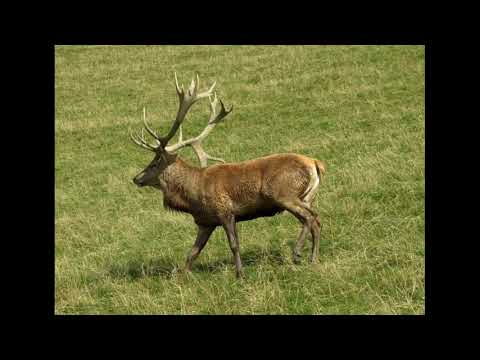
(320, 166)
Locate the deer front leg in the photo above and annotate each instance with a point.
(231, 230)
(203, 235)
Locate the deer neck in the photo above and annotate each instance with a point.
(181, 186)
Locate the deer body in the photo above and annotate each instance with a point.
(224, 194)
(245, 190)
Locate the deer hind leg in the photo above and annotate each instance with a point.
(309, 219)
(315, 232)
(301, 239)
(306, 203)
(297, 250)
(203, 235)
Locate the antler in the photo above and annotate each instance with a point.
(187, 99)
(196, 142)
(140, 140)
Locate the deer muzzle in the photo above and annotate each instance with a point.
(139, 180)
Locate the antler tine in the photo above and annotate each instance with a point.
(180, 134)
(211, 88)
(192, 90)
(150, 131)
(140, 139)
(214, 158)
(203, 156)
(141, 143)
(179, 91)
(214, 118)
(213, 106)
(146, 142)
(195, 86)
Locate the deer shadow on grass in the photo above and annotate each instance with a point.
(143, 268)
(250, 257)
(167, 267)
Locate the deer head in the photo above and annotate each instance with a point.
(166, 155)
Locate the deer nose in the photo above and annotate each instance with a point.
(136, 181)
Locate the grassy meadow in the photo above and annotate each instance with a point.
(360, 109)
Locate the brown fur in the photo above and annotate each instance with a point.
(246, 190)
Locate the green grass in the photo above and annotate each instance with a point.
(360, 109)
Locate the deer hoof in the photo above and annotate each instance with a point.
(240, 275)
(297, 259)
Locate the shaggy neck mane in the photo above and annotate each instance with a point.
(181, 186)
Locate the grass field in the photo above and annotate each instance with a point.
(360, 109)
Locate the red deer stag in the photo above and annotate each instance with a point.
(223, 194)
